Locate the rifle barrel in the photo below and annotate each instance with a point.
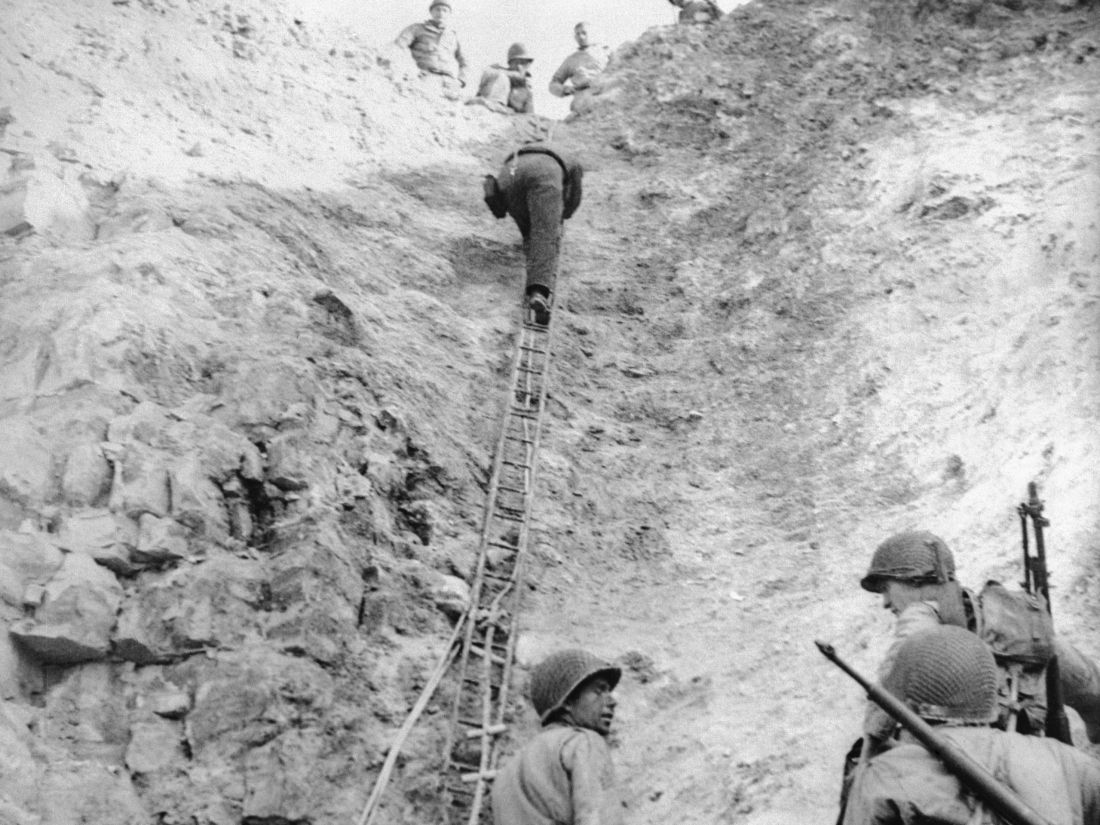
(983, 784)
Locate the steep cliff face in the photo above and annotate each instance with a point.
(835, 274)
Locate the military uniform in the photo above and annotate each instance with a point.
(564, 776)
(578, 70)
(947, 675)
(1079, 675)
(435, 49)
(924, 558)
(906, 784)
(540, 189)
(699, 11)
(505, 90)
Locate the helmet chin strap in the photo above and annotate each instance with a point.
(937, 561)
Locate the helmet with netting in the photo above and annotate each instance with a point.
(946, 674)
(557, 676)
(917, 557)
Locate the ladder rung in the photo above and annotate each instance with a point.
(529, 370)
(532, 349)
(471, 681)
(474, 777)
(510, 515)
(517, 464)
(460, 789)
(512, 490)
(496, 576)
(480, 651)
(517, 438)
(504, 546)
(492, 730)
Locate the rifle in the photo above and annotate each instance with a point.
(1037, 576)
(999, 798)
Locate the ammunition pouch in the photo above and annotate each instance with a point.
(494, 198)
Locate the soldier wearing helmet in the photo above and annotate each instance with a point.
(915, 573)
(507, 89)
(949, 677)
(564, 775)
(697, 11)
(434, 45)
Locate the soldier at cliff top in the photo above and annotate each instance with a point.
(564, 776)
(698, 11)
(540, 188)
(948, 676)
(574, 77)
(434, 44)
(915, 573)
(507, 89)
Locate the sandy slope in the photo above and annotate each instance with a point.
(835, 275)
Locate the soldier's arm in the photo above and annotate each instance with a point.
(461, 60)
(877, 723)
(1080, 678)
(407, 36)
(588, 762)
(868, 801)
(558, 81)
(572, 190)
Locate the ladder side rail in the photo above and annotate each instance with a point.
(491, 745)
(528, 382)
(475, 589)
(521, 557)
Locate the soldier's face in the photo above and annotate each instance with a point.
(593, 707)
(899, 595)
(581, 33)
(440, 14)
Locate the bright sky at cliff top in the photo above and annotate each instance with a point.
(486, 28)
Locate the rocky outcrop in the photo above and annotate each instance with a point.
(109, 538)
(210, 605)
(40, 194)
(73, 614)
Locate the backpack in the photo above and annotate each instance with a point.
(1019, 630)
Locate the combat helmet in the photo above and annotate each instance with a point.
(517, 51)
(918, 557)
(946, 674)
(557, 676)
